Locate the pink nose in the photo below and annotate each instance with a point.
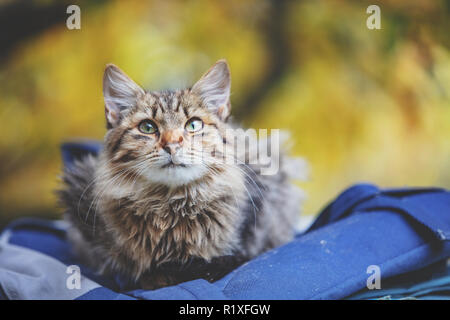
(171, 148)
(171, 140)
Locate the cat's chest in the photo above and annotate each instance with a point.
(157, 230)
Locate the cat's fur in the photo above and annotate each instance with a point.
(159, 226)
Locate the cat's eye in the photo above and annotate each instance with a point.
(194, 125)
(148, 127)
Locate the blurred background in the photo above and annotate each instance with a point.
(362, 105)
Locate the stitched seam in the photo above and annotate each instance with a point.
(188, 290)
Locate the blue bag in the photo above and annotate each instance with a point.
(398, 231)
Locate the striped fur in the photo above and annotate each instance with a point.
(156, 225)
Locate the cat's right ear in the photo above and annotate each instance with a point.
(214, 89)
(119, 92)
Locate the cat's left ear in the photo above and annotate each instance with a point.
(119, 92)
(214, 89)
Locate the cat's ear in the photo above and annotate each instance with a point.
(119, 93)
(214, 89)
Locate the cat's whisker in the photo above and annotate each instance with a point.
(255, 208)
(247, 174)
(91, 183)
(163, 190)
(98, 195)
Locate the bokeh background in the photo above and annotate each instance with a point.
(362, 105)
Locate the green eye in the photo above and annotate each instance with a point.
(147, 127)
(193, 125)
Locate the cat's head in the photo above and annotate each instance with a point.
(167, 137)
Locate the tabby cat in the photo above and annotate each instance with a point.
(159, 205)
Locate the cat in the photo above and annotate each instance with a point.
(159, 205)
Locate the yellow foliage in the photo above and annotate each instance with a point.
(362, 105)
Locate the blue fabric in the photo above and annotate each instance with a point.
(431, 283)
(399, 230)
(72, 151)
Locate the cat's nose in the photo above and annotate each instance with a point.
(171, 141)
(171, 148)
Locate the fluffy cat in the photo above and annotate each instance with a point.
(159, 205)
